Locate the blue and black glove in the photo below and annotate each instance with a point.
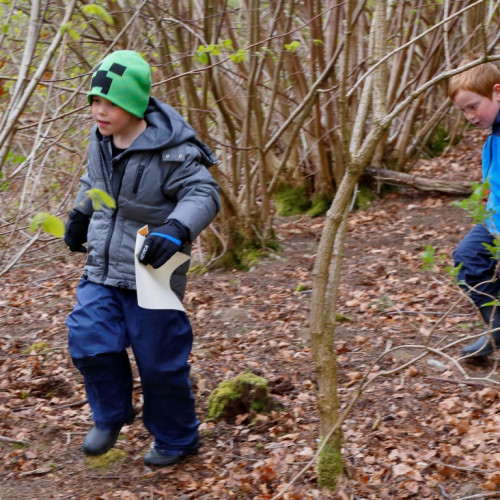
(163, 243)
(75, 234)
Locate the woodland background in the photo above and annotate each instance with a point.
(283, 91)
(294, 97)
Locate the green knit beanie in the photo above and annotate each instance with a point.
(124, 78)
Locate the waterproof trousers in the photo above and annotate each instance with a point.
(104, 323)
(478, 266)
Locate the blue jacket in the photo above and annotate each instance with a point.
(491, 174)
(162, 175)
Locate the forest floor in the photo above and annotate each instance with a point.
(429, 430)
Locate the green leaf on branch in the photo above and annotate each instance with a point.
(68, 28)
(292, 46)
(100, 198)
(493, 249)
(239, 56)
(48, 223)
(202, 57)
(430, 259)
(98, 11)
(475, 205)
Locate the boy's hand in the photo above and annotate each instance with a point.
(75, 234)
(163, 243)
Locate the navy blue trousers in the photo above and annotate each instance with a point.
(478, 266)
(107, 320)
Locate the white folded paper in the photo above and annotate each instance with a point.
(153, 285)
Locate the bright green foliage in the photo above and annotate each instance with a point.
(100, 198)
(430, 258)
(475, 205)
(15, 159)
(239, 56)
(292, 46)
(98, 11)
(54, 225)
(68, 28)
(48, 223)
(432, 263)
(216, 49)
(493, 249)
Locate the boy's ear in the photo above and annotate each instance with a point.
(496, 92)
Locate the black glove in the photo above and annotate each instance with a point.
(76, 231)
(162, 243)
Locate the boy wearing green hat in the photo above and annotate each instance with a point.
(149, 159)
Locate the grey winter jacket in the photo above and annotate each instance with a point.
(162, 175)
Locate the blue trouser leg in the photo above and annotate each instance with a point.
(97, 347)
(104, 322)
(108, 384)
(478, 266)
(169, 411)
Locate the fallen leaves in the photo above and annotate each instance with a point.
(413, 434)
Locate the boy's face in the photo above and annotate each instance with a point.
(479, 110)
(110, 118)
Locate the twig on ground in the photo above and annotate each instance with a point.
(11, 440)
(461, 381)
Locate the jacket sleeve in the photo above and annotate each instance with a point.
(83, 203)
(196, 194)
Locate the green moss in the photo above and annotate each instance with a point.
(438, 141)
(330, 466)
(106, 459)
(198, 269)
(247, 249)
(18, 446)
(248, 257)
(291, 200)
(365, 196)
(342, 318)
(301, 287)
(37, 347)
(245, 393)
(320, 205)
(243, 255)
(273, 245)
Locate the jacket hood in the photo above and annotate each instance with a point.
(166, 127)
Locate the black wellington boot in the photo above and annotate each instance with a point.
(483, 345)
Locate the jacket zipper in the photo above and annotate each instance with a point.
(111, 229)
(108, 244)
(138, 178)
